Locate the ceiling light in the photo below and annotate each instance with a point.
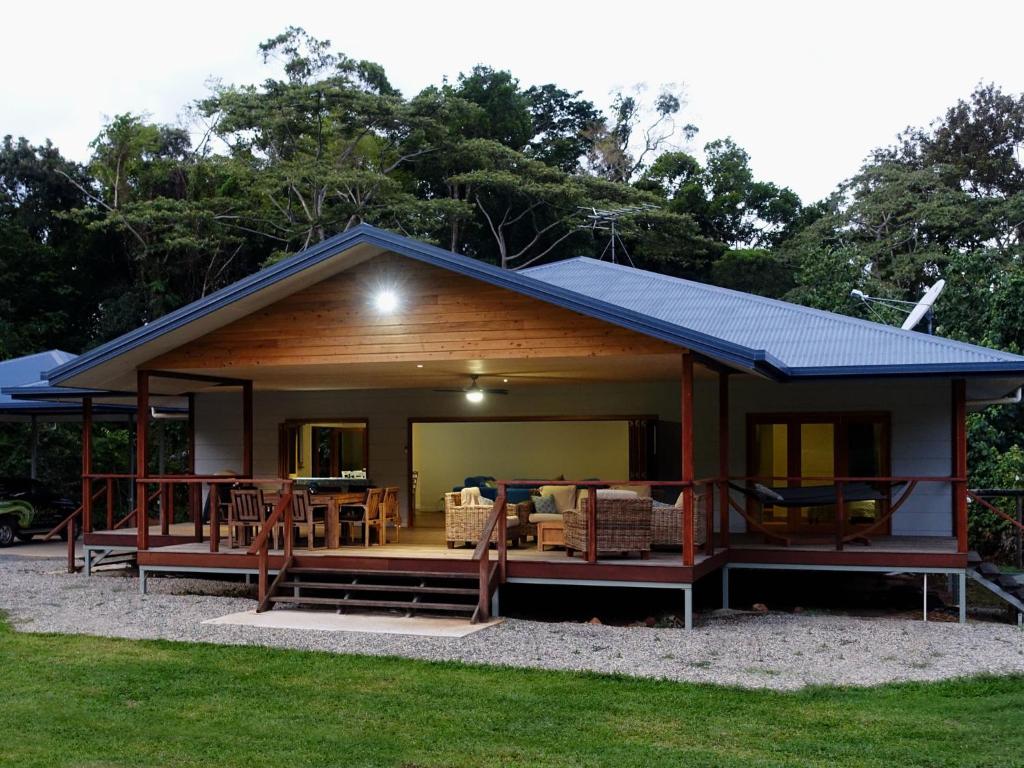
(474, 396)
(419, 365)
(504, 381)
(386, 300)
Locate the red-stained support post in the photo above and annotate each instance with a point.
(592, 525)
(214, 497)
(723, 459)
(142, 460)
(247, 429)
(686, 420)
(110, 503)
(195, 490)
(86, 468)
(959, 468)
(840, 515)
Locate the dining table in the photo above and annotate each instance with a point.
(334, 501)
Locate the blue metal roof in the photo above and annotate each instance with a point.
(774, 338)
(805, 341)
(25, 375)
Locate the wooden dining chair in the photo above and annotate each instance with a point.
(306, 514)
(391, 516)
(368, 515)
(247, 512)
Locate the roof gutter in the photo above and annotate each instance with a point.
(1011, 399)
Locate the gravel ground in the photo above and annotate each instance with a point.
(779, 651)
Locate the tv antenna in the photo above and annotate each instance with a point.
(915, 311)
(607, 220)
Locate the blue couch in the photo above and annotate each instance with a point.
(513, 496)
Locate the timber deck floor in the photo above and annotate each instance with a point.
(429, 543)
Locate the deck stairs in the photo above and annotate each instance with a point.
(1003, 585)
(112, 557)
(407, 593)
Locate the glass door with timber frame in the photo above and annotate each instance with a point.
(811, 449)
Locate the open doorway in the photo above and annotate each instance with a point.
(445, 453)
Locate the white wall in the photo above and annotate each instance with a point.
(920, 425)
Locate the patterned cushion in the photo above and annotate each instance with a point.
(565, 496)
(545, 505)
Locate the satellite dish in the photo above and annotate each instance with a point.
(923, 307)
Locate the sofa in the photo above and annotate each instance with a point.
(490, 491)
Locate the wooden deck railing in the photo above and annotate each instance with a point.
(497, 523)
(164, 487)
(842, 532)
(82, 519)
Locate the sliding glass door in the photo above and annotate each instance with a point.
(810, 449)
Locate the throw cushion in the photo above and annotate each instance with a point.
(565, 496)
(643, 491)
(616, 493)
(472, 497)
(545, 505)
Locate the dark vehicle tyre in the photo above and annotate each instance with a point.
(8, 532)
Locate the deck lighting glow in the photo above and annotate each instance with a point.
(386, 300)
(475, 396)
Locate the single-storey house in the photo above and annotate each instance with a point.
(621, 427)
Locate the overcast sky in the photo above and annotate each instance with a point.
(806, 88)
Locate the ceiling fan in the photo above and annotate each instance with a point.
(474, 392)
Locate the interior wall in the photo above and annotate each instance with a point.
(219, 420)
(445, 453)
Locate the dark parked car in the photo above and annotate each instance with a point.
(28, 508)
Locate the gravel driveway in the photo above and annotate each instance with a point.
(780, 651)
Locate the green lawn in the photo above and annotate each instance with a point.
(80, 701)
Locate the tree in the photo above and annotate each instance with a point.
(503, 113)
(325, 149)
(637, 133)
(52, 271)
(563, 127)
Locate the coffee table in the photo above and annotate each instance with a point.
(550, 534)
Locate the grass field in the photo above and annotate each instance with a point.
(81, 701)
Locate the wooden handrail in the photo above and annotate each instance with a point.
(495, 521)
(276, 517)
(209, 480)
(837, 479)
(489, 526)
(77, 513)
(133, 514)
(993, 508)
(261, 545)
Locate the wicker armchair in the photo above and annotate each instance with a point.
(667, 525)
(623, 525)
(463, 523)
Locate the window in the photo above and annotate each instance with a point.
(812, 449)
(324, 448)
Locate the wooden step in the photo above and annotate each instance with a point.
(382, 574)
(404, 605)
(367, 587)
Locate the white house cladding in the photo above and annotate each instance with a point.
(723, 393)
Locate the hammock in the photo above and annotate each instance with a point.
(820, 496)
